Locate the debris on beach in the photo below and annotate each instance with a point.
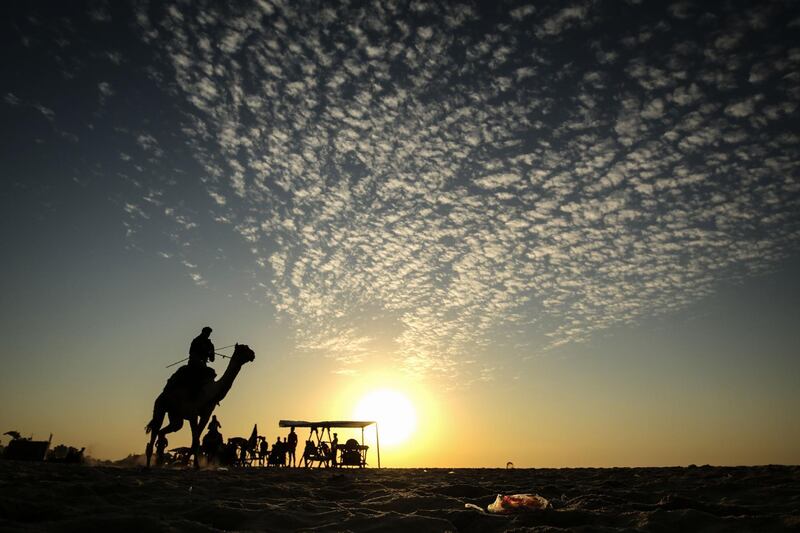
(473, 506)
(517, 503)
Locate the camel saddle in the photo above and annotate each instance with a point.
(193, 376)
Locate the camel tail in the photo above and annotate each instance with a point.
(158, 415)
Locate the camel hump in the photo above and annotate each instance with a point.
(192, 376)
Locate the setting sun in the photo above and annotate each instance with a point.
(394, 412)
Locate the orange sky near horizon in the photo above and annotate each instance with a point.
(602, 418)
(568, 234)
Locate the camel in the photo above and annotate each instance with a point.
(182, 404)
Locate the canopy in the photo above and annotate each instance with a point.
(328, 424)
(325, 424)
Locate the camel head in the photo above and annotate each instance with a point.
(242, 354)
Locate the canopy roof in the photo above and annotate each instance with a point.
(326, 424)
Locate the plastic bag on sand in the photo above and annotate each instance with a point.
(517, 503)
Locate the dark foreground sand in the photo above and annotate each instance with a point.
(52, 497)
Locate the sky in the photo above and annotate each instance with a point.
(567, 232)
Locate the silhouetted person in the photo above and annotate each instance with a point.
(212, 444)
(308, 452)
(263, 451)
(277, 453)
(214, 425)
(334, 447)
(202, 349)
(292, 447)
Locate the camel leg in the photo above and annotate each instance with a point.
(175, 424)
(201, 426)
(195, 425)
(154, 425)
(156, 433)
(149, 450)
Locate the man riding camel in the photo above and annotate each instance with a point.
(202, 349)
(196, 372)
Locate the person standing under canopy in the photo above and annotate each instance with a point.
(292, 442)
(334, 448)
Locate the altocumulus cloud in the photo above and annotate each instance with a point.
(525, 174)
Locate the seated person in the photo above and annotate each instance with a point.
(324, 453)
(276, 453)
(309, 452)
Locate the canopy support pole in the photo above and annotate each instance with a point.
(378, 444)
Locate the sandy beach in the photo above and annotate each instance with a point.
(53, 497)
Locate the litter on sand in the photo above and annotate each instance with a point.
(473, 506)
(517, 503)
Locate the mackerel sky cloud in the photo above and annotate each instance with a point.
(431, 177)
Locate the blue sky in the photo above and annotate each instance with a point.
(455, 192)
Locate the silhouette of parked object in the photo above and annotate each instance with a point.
(353, 454)
(242, 452)
(181, 456)
(238, 452)
(319, 452)
(65, 454)
(183, 402)
(230, 454)
(26, 449)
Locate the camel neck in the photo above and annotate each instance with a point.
(225, 383)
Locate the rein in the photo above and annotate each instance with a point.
(215, 353)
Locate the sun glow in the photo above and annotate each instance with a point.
(394, 412)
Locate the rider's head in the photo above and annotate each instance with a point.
(207, 331)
